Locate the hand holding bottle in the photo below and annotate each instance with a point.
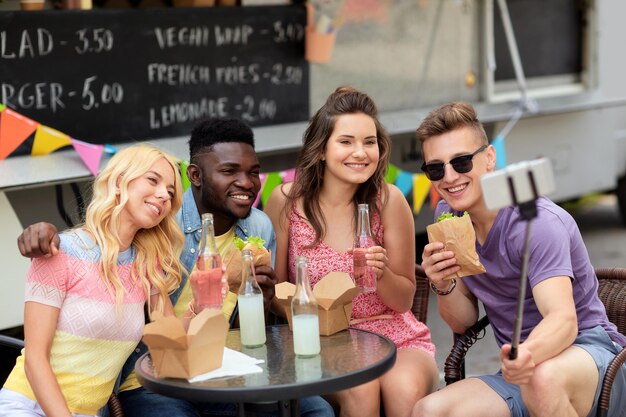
(208, 280)
(376, 259)
(206, 287)
(363, 274)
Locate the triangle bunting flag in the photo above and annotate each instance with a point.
(14, 130)
(90, 154)
(48, 140)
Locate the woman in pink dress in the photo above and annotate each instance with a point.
(342, 163)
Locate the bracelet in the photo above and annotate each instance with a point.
(446, 292)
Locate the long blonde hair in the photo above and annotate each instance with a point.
(158, 249)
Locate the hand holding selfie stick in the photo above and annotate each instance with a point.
(519, 185)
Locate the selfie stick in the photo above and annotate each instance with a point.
(528, 211)
(525, 182)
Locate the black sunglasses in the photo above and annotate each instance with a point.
(461, 164)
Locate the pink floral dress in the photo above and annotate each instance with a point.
(403, 329)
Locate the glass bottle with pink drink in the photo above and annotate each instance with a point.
(364, 276)
(208, 285)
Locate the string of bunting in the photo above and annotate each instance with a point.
(415, 187)
(16, 130)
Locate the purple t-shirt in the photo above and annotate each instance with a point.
(556, 249)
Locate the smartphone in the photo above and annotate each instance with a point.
(517, 183)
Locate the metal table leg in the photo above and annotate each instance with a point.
(289, 408)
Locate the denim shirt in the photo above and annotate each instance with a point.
(256, 224)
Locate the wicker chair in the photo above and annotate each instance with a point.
(15, 347)
(420, 299)
(612, 292)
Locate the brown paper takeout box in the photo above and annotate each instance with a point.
(179, 354)
(334, 294)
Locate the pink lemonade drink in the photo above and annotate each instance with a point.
(207, 288)
(364, 276)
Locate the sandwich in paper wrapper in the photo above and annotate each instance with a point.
(458, 236)
(233, 262)
(177, 353)
(334, 294)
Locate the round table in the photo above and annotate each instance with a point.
(347, 359)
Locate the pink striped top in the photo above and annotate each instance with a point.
(92, 340)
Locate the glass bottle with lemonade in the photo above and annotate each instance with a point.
(305, 320)
(250, 302)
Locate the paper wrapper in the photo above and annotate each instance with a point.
(458, 236)
(234, 264)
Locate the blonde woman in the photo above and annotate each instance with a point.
(84, 311)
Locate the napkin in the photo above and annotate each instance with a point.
(233, 364)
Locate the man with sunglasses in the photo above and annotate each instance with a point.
(567, 340)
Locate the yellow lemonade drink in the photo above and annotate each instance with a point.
(251, 320)
(306, 334)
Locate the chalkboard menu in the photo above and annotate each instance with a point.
(107, 76)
